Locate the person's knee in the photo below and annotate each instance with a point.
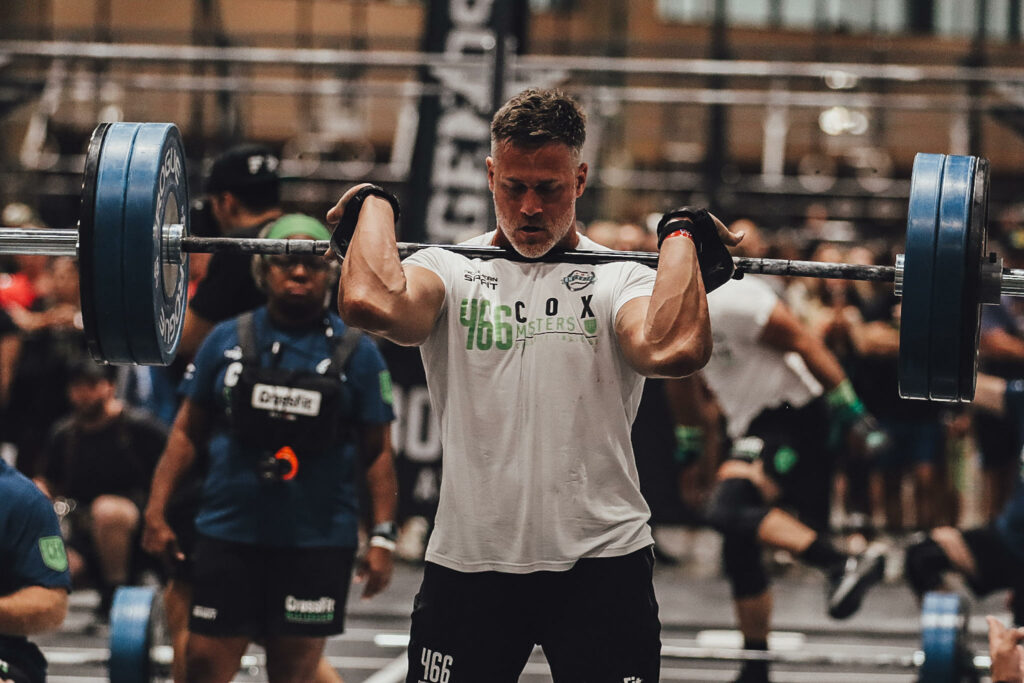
(110, 512)
(924, 566)
(743, 567)
(736, 507)
(201, 662)
(208, 660)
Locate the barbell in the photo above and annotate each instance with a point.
(140, 652)
(133, 242)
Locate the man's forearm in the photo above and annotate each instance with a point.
(371, 271)
(176, 460)
(381, 482)
(32, 610)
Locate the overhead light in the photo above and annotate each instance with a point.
(837, 79)
(843, 121)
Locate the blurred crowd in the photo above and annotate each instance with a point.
(946, 466)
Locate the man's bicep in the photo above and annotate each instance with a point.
(629, 325)
(424, 297)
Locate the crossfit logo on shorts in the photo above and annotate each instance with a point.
(578, 280)
(632, 679)
(207, 613)
(305, 611)
(286, 400)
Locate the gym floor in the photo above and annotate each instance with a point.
(695, 609)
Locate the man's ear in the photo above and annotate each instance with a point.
(581, 179)
(490, 173)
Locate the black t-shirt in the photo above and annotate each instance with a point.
(117, 459)
(228, 288)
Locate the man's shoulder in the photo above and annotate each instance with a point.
(19, 495)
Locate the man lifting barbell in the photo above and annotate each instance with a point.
(535, 370)
(291, 406)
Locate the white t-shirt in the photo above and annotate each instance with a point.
(535, 402)
(746, 375)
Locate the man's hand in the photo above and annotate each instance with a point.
(375, 570)
(710, 237)
(342, 217)
(159, 539)
(1006, 652)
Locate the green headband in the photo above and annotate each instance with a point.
(297, 224)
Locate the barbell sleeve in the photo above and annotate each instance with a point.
(47, 242)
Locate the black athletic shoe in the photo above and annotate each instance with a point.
(846, 588)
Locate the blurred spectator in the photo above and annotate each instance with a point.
(243, 190)
(10, 346)
(27, 279)
(915, 427)
(633, 237)
(756, 244)
(101, 458)
(35, 583)
(1001, 353)
(1005, 651)
(51, 342)
(605, 233)
(416, 442)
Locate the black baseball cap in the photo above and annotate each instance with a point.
(244, 168)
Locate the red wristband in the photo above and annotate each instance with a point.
(680, 231)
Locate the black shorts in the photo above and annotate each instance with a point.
(796, 455)
(240, 589)
(15, 674)
(997, 568)
(596, 622)
(998, 440)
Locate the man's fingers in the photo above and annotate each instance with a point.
(995, 629)
(730, 238)
(334, 214)
(375, 584)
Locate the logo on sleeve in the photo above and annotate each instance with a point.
(54, 555)
(386, 392)
(579, 279)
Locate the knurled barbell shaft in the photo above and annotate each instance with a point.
(64, 243)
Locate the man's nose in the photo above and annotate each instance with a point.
(531, 203)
